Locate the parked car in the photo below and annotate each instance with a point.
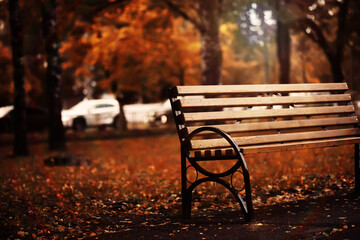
(163, 114)
(36, 119)
(91, 113)
(148, 113)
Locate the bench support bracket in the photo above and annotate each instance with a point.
(186, 191)
(357, 169)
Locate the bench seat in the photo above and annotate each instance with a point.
(222, 153)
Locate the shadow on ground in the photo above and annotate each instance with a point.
(334, 217)
(93, 134)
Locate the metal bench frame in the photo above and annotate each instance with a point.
(194, 151)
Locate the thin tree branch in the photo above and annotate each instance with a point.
(173, 7)
(317, 36)
(89, 9)
(96, 6)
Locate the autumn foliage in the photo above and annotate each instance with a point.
(140, 176)
(140, 49)
(143, 46)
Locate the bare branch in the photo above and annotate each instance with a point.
(316, 35)
(176, 9)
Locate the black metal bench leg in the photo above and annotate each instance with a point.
(186, 205)
(185, 194)
(248, 198)
(357, 170)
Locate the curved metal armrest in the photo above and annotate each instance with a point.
(245, 206)
(227, 137)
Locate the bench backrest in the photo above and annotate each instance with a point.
(260, 115)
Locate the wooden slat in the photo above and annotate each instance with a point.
(222, 153)
(300, 145)
(274, 138)
(259, 88)
(289, 124)
(246, 114)
(263, 101)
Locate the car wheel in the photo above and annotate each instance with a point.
(79, 124)
(163, 119)
(116, 122)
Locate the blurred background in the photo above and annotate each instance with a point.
(69, 68)
(133, 50)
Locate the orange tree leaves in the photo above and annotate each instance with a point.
(142, 47)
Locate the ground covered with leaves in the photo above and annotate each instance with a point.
(130, 189)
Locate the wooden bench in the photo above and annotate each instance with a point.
(223, 122)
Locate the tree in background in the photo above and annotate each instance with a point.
(211, 55)
(76, 19)
(205, 16)
(53, 72)
(352, 62)
(283, 41)
(142, 49)
(146, 45)
(6, 79)
(20, 129)
(71, 12)
(32, 53)
(318, 24)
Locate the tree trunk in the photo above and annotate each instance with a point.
(182, 76)
(20, 129)
(122, 124)
(336, 69)
(283, 51)
(283, 42)
(208, 25)
(334, 50)
(56, 137)
(336, 63)
(211, 54)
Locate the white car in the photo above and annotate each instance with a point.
(91, 113)
(148, 113)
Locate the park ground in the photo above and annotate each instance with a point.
(128, 187)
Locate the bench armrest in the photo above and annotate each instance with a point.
(186, 143)
(185, 148)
